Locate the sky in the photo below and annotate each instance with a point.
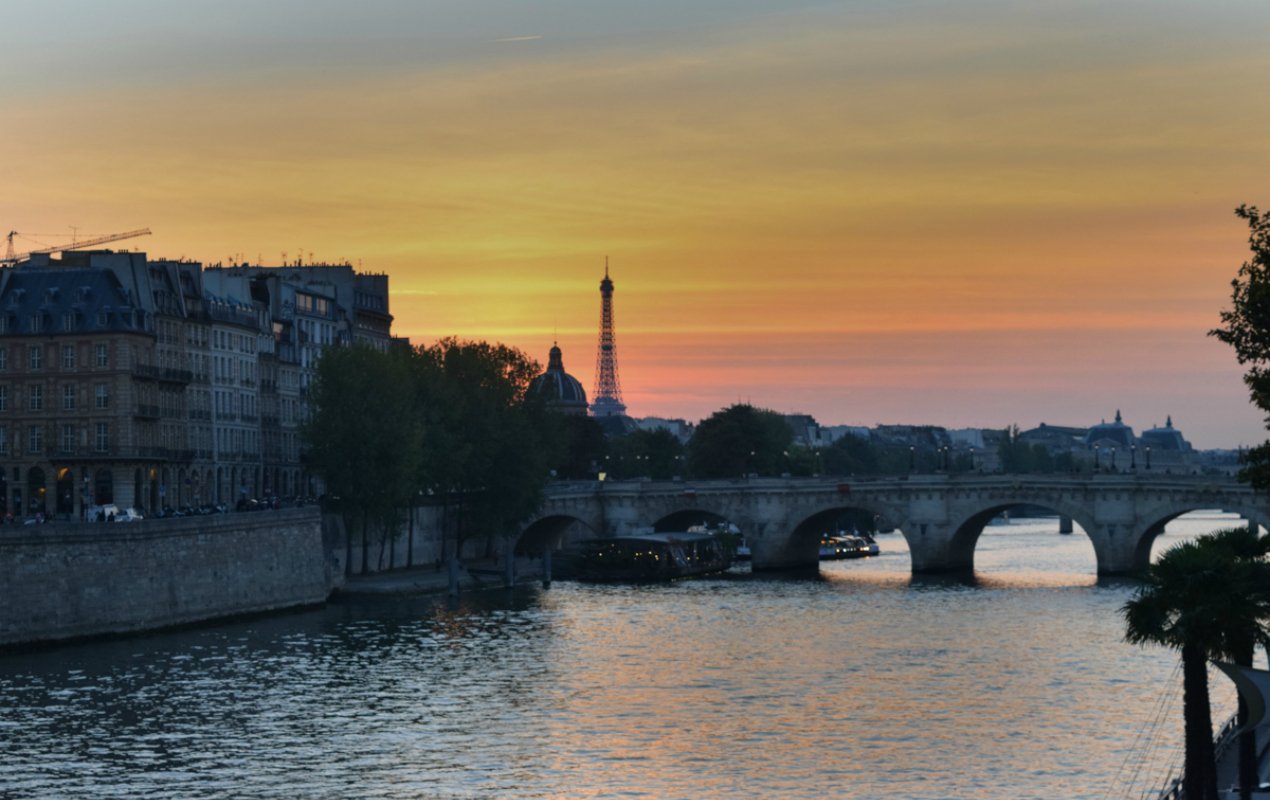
(969, 214)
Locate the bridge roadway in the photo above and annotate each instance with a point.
(941, 516)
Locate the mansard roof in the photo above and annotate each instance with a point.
(68, 300)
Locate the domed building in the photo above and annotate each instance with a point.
(1110, 434)
(1166, 439)
(558, 388)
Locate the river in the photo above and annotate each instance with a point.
(863, 683)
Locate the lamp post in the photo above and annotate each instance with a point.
(1148, 458)
(912, 458)
(1133, 457)
(1097, 459)
(1113, 459)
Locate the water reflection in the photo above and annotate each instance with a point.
(860, 681)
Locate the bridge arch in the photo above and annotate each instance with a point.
(960, 553)
(802, 546)
(1153, 520)
(551, 532)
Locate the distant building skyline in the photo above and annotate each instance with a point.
(974, 213)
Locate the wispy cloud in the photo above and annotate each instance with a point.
(519, 38)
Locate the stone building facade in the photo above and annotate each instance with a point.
(153, 383)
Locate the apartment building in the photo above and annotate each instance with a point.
(162, 383)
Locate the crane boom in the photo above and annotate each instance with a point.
(111, 237)
(11, 258)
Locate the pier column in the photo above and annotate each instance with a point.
(936, 548)
(1065, 524)
(1118, 550)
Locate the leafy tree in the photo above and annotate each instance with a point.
(493, 444)
(1203, 598)
(656, 454)
(582, 448)
(851, 455)
(366, 445)
(1246, 327)
(740, 440)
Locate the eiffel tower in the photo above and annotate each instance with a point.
(606, 400)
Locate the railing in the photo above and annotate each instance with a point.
(1221, 743)
(151, 372)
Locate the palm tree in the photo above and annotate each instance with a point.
(1246, 545)
(1203, 598)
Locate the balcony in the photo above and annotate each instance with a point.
(146, 411)
(150, 372)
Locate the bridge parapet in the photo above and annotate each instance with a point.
(941, 516)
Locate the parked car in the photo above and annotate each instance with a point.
(102, 513)
(129, 515)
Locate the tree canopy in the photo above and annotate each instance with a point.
(366, 445)
(1246, 328)
(1206, 599)
(740, 440)
(451, 423)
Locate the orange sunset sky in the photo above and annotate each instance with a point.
(961, 213)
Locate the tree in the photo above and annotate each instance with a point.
(1203, 598)
(583, 448)
(851, 455)
(739, 440)
(364, 439)
(656, 454)
(1246, 328)
(492, 445)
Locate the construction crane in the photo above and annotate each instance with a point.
(11, 258)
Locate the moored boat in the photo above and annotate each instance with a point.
(646, 557)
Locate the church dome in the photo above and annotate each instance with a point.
(558, 388)
(1110, 434)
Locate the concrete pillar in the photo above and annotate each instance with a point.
(1065, 524)
(509, 562)
(546, 568)
(1117, 549)
(936, 548)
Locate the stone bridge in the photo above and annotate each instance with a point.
(941, 516)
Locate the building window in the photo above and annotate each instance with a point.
(68, 438)
(68, 321)
(68, 397)
(37, 323)
(103, 356)
(36, 398)
(68, 356)
(103, 437)
(4, 398)
(35, 356)
(35, 440)
(4, 439)
(4, 358)
(101, 397)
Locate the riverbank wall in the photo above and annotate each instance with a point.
(64, 581)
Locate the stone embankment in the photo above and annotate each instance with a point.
(73, 580)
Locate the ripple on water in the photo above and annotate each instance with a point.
(865, 682)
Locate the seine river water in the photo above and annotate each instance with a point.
(862, 683)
